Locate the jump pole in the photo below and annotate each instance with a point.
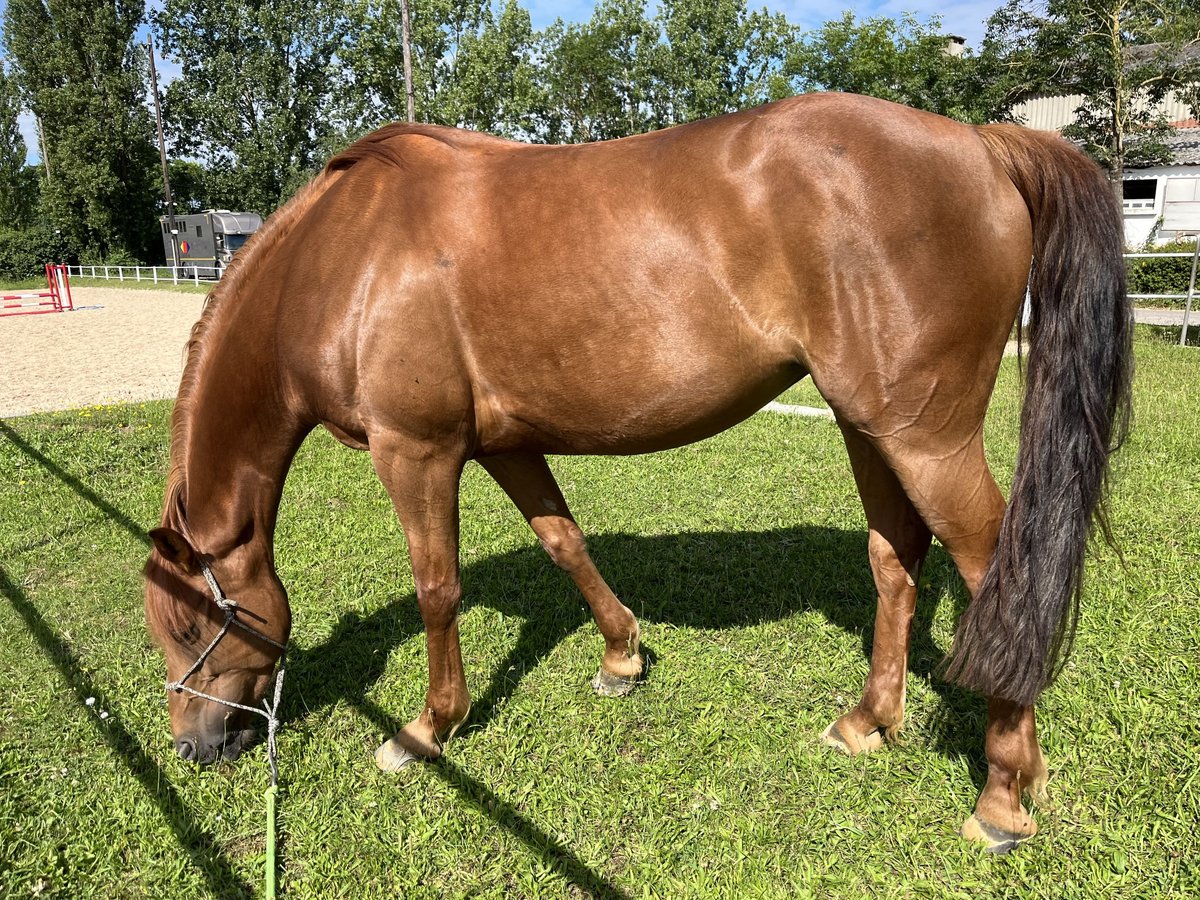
(56, 299)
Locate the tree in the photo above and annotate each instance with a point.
(494, 83)
(472, 65)
(717, 57)
(254, 97)
(18, 184)
(190, 187)
(1123, 56)
(82, 73)
(599, 77)
(903, 60)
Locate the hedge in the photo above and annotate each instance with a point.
(1163, 276)
(24, 254)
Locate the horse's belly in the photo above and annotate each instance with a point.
(605, 417)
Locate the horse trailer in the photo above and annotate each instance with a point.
(207, 240)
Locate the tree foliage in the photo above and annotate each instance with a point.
(717, 56)
(253, 99)
(268, 90)
(18, 183)
(600, 76)
(903, 60)
(1123, 56)
(473, 65)
(81, 72)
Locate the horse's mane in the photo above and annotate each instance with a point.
(382, 145)
(259, 245)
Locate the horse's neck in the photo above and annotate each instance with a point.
(241, 438)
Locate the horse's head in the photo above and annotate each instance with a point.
(185, 618)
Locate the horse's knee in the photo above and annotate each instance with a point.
(564, 542)
(439, 598)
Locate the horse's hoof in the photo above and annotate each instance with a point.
(994, 839)
(606, 684)
(851, 744)
(391, 757)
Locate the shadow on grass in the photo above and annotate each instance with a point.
(81, 489)
(197, 844)
(222, 879)
(697, 580)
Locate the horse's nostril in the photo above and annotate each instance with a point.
(186, 749)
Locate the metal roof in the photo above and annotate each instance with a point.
(1185, 147)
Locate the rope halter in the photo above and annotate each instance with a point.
(270, 712)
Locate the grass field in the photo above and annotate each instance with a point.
(744, 557)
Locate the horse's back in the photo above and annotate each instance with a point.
(645, 292)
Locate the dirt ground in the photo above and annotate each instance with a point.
(118, 346)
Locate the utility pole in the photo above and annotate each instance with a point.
(406, 46)
(162, 155)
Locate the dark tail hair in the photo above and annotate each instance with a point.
(1017, 631)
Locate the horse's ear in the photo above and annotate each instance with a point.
(174, 548)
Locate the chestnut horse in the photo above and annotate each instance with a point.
(436, 296)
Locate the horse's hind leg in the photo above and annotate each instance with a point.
(897, 545)
(530, 484)
(955, 494)
(424, 490)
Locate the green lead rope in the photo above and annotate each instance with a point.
(272, 716)
(272, 793)
(270, 712)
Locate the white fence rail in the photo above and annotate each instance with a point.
(1191, 291)
(196, 274)
(153, 274)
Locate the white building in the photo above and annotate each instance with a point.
(1150, 194)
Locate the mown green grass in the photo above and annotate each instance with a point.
(744, 556)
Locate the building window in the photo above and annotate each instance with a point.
(199, 231)
(1139, 194)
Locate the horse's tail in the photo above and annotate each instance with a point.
(1018, 629)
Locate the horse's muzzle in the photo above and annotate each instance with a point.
(206, 751)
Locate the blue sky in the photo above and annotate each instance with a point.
(962, 17)
(966, 18)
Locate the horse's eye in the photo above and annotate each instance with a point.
(187, 635)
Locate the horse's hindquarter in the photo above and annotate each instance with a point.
(645, 293)
(913, 296)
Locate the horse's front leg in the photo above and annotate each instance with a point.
(424, 490)
(528, 481)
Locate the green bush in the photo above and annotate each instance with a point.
(116, 257)
(1162, 276)
(24, 253)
